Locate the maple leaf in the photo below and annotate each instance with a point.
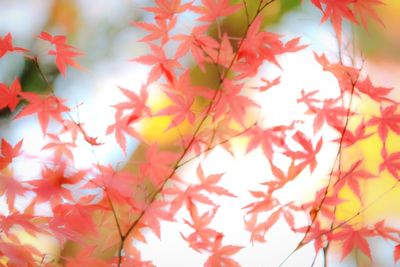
(51, 187)
(6, 45)
(308, 156)
(161, 64)
(221, 254)
(336, 10)
(378, 94)
(211, 10)
(386, 232)
(180, 109)
(314, 233)
(9, 95)
(258, 44)
(390, 162)
(265, 202)
(8, 152)
(154, 213)
(259, 230)
(349, 138)
(231, 102)
(167, 9)
(184, 197)
(118, 185)
(328, 207)
(135, 102)
(11, 188)
(202, 237)
(60, 148)
(226, 54)
(63, 52)
(199, 44)
(353, 239)
(389, 120)
(122, 126)
(78, 218)
(365, 8)
(158, 164)
(210, 182)
(329, 113)
(292, 172)
(45, 108)
(352, 177)
(159, 30)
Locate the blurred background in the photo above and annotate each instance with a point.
(102, 30)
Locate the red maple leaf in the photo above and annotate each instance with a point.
(267, 139)
(45, 108)
(77, 217)
(180, 109)
(308, 155)
(157, 30)
(118, 185)
(390, 162)
(389, 120)
(378, 94)
(329, 113)
(231, 103)
(352, 177)
(9, 152)
(210, 182)
(203, 236)
(136, 102)
(156, 212)
(336, 10)
(53, 185)
(9, 95)
(211, 10)
(184, 196)
(351, 238)
(63, 52)
(167, 9)
(122, 126)
(349, 138)
(365, 8)
(221, 255)
(198, 43)
(161, 64)
(158, 164)
(292, 172)
(259, 44)
(6, 45)
(259, 229)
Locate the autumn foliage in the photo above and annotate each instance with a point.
(121, 204)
